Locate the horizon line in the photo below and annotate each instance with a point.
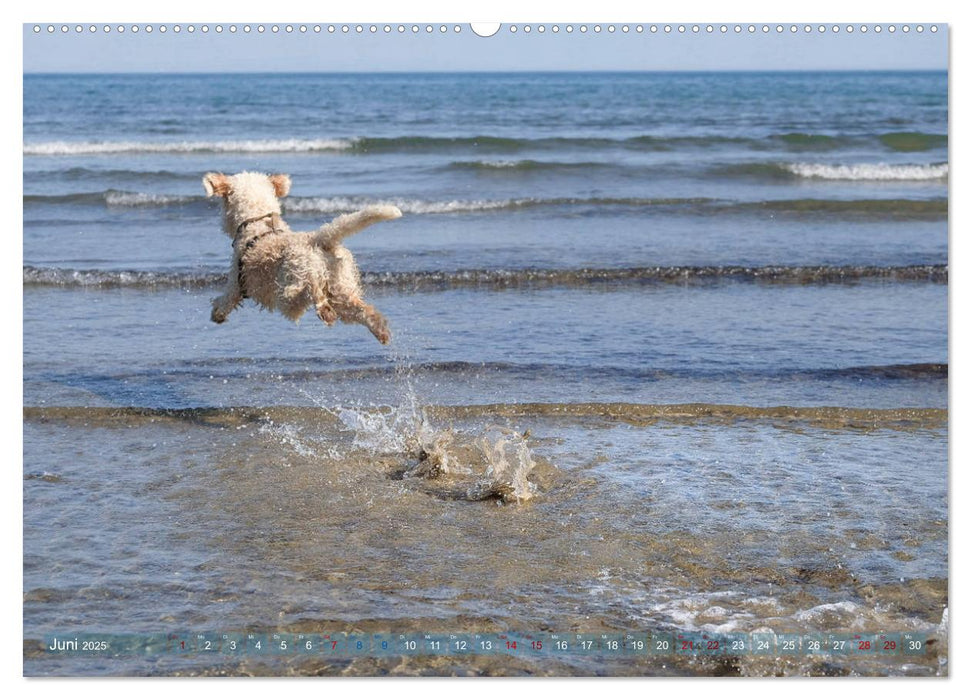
(504, 72)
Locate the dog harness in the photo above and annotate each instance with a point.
(250, 242)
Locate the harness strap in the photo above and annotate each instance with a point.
(250, 242)
(239, 229)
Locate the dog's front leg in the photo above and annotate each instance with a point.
(223, 305)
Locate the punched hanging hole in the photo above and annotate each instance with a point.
(485, 29)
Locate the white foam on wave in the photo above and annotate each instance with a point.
(868, 171)
(60, 277)
(832, 615)
(500, 163)
(327, 205)
(142, 199)
(714, 611)
(71, 148)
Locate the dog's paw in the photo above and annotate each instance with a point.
(383, 335)
(217, 316)
(327, 314)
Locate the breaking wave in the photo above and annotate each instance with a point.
(525, 166)
(927, 172)
(115, 198)
(328, 205)
(868, 171)
(894, 141)
(107, 279)
(74, 148)
(511, 279)
(873, 208)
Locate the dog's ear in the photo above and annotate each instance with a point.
(281, 184)
(216, 184)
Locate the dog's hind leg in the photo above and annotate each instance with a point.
(329, 235)
(355, 310)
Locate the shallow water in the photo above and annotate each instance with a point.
(305, 521)
(670, 357)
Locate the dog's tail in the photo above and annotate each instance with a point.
(346, 225)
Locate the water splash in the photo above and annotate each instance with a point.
(476, 463)
(291, 436)
(496, 459)
(473, 464)
(510, 462)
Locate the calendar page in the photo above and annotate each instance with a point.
(514, 349)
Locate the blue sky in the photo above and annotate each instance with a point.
(506, 51)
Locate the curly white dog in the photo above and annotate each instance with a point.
(287, 270)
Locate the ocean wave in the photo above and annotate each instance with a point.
(114, 198)
(827, 417)
(868, 171)
(109, 279)
(331, 205)
(73, 148)
(904, 141)
(336, 205)
(913, 141)
(800, 140)
(526, 165)
(828, 171)
(395, 144)
(917, 209)
(654, 275)
(81, 173)
(510, 279)
(509, 144)
(796, 141)
(872, 208)
(920, 370)
(71, 198)
(308, 369)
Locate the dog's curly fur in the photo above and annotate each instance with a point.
(287, 270)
